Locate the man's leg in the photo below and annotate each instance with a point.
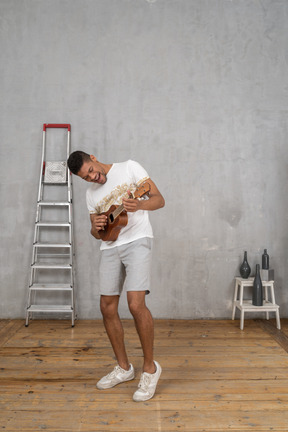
(144, 326)
(114, 329)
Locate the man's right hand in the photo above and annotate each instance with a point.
(98, 222)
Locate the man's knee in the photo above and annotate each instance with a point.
(136, 304)
(109, 306)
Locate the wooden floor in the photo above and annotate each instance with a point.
(215, 378)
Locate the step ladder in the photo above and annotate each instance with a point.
(51, 285)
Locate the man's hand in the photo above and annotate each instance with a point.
(131, 204)
(98, 222)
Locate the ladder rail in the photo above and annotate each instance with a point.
(42, 166)
(69, 174)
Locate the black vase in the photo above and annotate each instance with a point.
(245, 269)
(265, 260)
(257, 294)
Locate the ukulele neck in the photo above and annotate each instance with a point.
(119, 209)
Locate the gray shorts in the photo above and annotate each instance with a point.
(126, 267)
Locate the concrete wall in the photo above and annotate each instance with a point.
(197, 92)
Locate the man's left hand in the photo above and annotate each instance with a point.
(131, 205)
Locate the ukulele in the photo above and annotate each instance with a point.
(117, 217)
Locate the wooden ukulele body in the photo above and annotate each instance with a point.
(114, 225)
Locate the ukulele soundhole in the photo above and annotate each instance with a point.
(111, 218)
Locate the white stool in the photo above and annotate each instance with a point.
(247, 306)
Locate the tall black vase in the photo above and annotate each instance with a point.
(265, 260)
(245, 269)
(257, 294)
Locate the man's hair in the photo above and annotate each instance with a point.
(76, 160)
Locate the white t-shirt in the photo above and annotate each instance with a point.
(121, 178)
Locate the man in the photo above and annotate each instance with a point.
(130, 253)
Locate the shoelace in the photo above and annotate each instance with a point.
(144, 382)
(114, 372)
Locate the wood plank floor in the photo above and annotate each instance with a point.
(215, 378)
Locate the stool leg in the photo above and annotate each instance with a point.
(272, 293)
(234, 300)
(278, 319)
(241, 295)
(242, 319)
(266, 293)
(266, 299)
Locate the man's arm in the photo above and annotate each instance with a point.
(154, 202)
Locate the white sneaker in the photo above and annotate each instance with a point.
(147, 385)
(117, 376)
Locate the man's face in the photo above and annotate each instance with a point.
(92, 171)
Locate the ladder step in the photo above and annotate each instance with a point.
(54, 203)
(52, 245)
(60, 183)
(51, 266)
(50, 308)
(53, 256)
(51, 287)
(54, 224)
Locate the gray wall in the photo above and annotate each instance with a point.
(197, 92)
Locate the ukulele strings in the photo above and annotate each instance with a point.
(119, 209)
